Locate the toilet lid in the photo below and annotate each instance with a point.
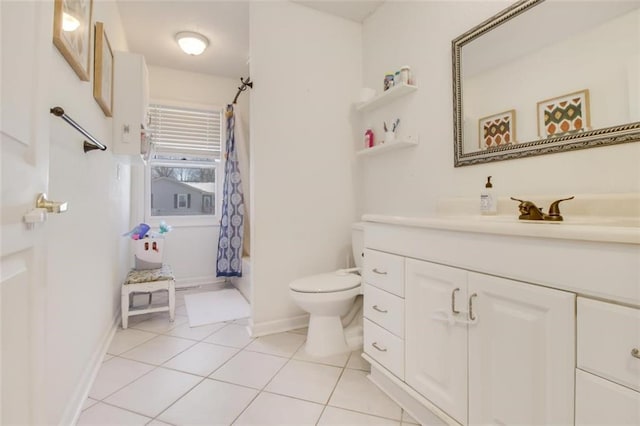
(326, 283)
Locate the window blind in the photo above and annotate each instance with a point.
(185, 130)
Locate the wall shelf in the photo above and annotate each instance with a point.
(386, 97)
(387, 147)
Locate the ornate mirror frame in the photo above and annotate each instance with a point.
(587, 139)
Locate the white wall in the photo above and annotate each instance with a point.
(190, 250)
(410, 182)
(306, 67)
(87, 256)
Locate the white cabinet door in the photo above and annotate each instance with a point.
(436, 349)
(521, 353)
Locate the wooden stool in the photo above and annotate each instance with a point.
(148, 281)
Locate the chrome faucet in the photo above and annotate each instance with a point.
(529, 211)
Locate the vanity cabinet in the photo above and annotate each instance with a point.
(131, 101)
(383, 310)
(608, 372)
(486, 349)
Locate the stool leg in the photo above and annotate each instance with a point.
(172, 300)
(125, 307)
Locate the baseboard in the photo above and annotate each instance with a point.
(411, 401)
(196, 281)
(277, 326)
(74, 407)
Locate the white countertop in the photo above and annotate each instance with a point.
(583, 228)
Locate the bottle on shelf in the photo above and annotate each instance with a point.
(368, 138)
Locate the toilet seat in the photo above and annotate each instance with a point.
(326, 283)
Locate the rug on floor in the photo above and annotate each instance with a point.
(215, 306)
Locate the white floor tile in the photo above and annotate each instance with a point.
(250, 369)
(281, 344)
(88, 403)
(194, 333)
(302, 331)
(158, 423)
(115, 374)
(153, 393)
(356, 392)
(357, 362)
(304, 380)
(209, 403)
(233, 335)
(269, 409)
(106, 415)
(158, 350)
(160, 323)
(107, 357)
(125, 340)
(339, 360)
(181, 310)
(340, 417)
(201, 359)
(241, 321)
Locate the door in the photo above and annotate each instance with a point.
(521, 353)
(24, 130)
(436, 344)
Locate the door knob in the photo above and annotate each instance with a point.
(50, 206)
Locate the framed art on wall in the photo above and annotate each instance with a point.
(103, 71)
(497, 130)
(564, 115)
(72, 33)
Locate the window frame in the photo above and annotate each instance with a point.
(217, 164)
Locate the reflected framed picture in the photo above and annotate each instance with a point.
(103, 71)
(72, 33)
(564, 115)
(497, 130)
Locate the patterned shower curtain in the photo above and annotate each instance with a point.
(229, 262)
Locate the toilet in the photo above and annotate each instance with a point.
(329, 299)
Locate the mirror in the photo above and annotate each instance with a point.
(547, 76)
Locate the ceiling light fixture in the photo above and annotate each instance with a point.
(192, 43)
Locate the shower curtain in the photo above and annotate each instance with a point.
(230, 241)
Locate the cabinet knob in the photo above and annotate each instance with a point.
(453, 301)
(375, 271)
(471, 316)
(635, 352)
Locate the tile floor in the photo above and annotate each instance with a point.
(162, 373)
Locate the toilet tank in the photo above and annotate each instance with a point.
(357, 242)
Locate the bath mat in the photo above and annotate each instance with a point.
(215, 306)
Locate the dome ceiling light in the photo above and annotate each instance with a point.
(192, 43)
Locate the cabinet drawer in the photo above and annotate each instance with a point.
(384, 309)
(385, 271)
(601, 402)
(607, 334)
(384, 347)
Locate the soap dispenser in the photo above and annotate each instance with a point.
(488, 203)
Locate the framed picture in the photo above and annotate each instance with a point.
(103, 71)
(497, 130)
(564, 115)
(72, 33)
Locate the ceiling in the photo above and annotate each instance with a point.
(150, 28)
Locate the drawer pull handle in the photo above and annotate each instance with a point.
(375, 307)
(635, 352)
(471, 316)
(453, 301)
(375, 345)
(375, 271)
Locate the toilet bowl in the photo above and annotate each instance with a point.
(328, 298)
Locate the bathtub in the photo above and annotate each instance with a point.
(243, 284)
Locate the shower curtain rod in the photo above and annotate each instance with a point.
(245, 83)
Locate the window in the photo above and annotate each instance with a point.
(182, 171)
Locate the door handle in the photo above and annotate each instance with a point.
(375, 345)
(471, 317)
(375, 270)
(50, 206)
(453, 300)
